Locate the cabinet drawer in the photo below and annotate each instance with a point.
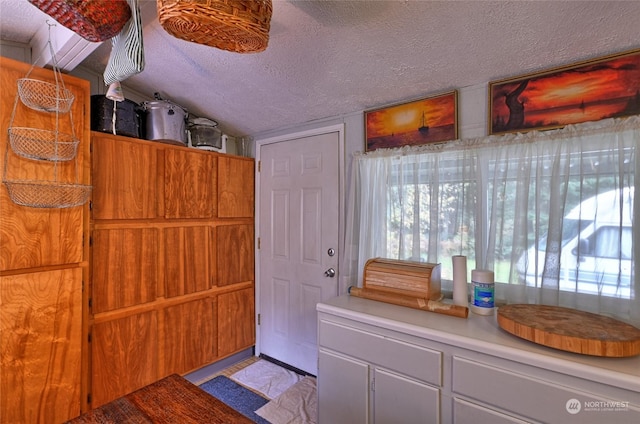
(545, 401)
(469, 413)
(406, 358)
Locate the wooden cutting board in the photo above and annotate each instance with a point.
(570, 330)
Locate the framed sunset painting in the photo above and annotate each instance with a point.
(428, 120)
(588, 91)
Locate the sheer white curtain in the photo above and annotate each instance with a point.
(551, 213)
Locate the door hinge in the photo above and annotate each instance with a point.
(373, 384)
(89, 337)
(89, 398)
(258, 319)
(258, 243)
(259, 165)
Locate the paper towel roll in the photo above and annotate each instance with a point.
(460, 296)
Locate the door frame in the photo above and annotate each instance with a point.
(259, 143)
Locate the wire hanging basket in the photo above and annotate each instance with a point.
(34, 143)
(47, 194)
(44, 144)
(45, 96)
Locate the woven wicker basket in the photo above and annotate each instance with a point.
(93, 20)
(240, 26)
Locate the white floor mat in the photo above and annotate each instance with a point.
(267, 378)
(297, 405)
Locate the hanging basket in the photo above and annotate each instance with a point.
(34, 143)
(240, 26)
(92, 20)
(44, 96)
(47, 194)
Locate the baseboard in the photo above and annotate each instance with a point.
(208, 371)
(284, 365)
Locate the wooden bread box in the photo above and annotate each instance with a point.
(410, 278)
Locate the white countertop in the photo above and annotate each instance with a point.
(482, 334)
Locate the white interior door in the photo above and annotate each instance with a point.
(298, 254)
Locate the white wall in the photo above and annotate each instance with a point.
(16, 51)
(472, 122)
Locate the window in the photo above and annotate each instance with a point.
(547, 212)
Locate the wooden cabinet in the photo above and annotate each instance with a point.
(234, 254)
(189, 184)
(189, 334)
(235, 321)
(124, 352)
(188, 266)
(236, 193)
(40, 334)
(43, 264)
(173, 279)
(127, 178)
(36, 237)
(124, 267)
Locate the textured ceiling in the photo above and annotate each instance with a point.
(330, 58)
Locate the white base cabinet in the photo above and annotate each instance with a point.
(386, 364)
(348, 399)
(397, 398)
(366, 393)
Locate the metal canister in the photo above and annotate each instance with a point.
(165, 121)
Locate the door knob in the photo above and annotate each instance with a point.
(330, 273)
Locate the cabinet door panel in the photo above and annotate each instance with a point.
(187, 258)
(494, 386)
(124, 356)
(33, 237)
(124, 267)
(236, 329)
(235, 187)
(189, 336)
(40, 335)
(469, 413)
(343, 389)
(124, 175)
(402, 400)
(234, 251)
(37, 237)
(190, 184)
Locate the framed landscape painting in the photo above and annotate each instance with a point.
(429, 120)
(588, 91)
